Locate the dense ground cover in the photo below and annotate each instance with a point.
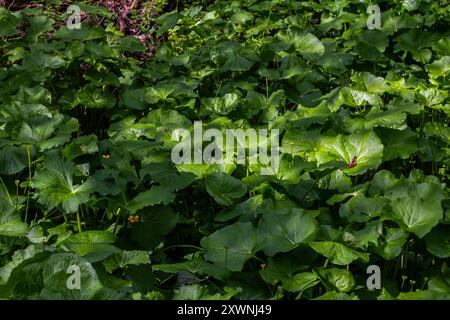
(87, 179)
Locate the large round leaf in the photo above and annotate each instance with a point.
(305, 43)
(55, 186)
(416, 215)
(155, 224)
(283, 232)
(92, 245)
(416, 203)
(360, 151)
(231, 246)
(224, 188)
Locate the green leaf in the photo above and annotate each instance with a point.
(398, 143)
(376, 118)
(81, 146)
(305, 43)
(31, 252)
(336, 180)
(39, 25)
(361, 239)
(203, 170)
(338, 253)
(371, 83)
(93, 97)
(416, 215)
(241, 17)
(366, 147)
(93, 246)
(416, 41)
(222, 105)
(156, 195)
(104, 12)
(198, 292)
(13, 159)
(438, 241)
(154, 95)
(125, 258)
(36, 234)
(247, 208)
(385, 295)
(167, 175)
(362, 209)
(224, 188)
(284, 232)
(134, 98)
(282, 267)
(357, 98)
(439, 130)
(84, 34)
(382, 182)
(302, 143)
(392, 245)
(423, 295)
(440, 282)
(300, 282)
(8, 23)
(291, 168)
(46, 279)
(12, 226)
(336, 279)
(167, 21)
(99, 50)
(439, 68)
(153, 226)
(236, 63)
(333, 295)
(416, 205)
(61, 135)
(195, 267)
(232, 246)
(38, 59)
(55, 186)
(442, 47)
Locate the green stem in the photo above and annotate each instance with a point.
(117, 221)
(79, 222)
(403, 281)
(183, 246)
(217, 92)
(170, 277)
(259, 259)
(6, 190)
(216, 286)
(29, 183)
(425, 281)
